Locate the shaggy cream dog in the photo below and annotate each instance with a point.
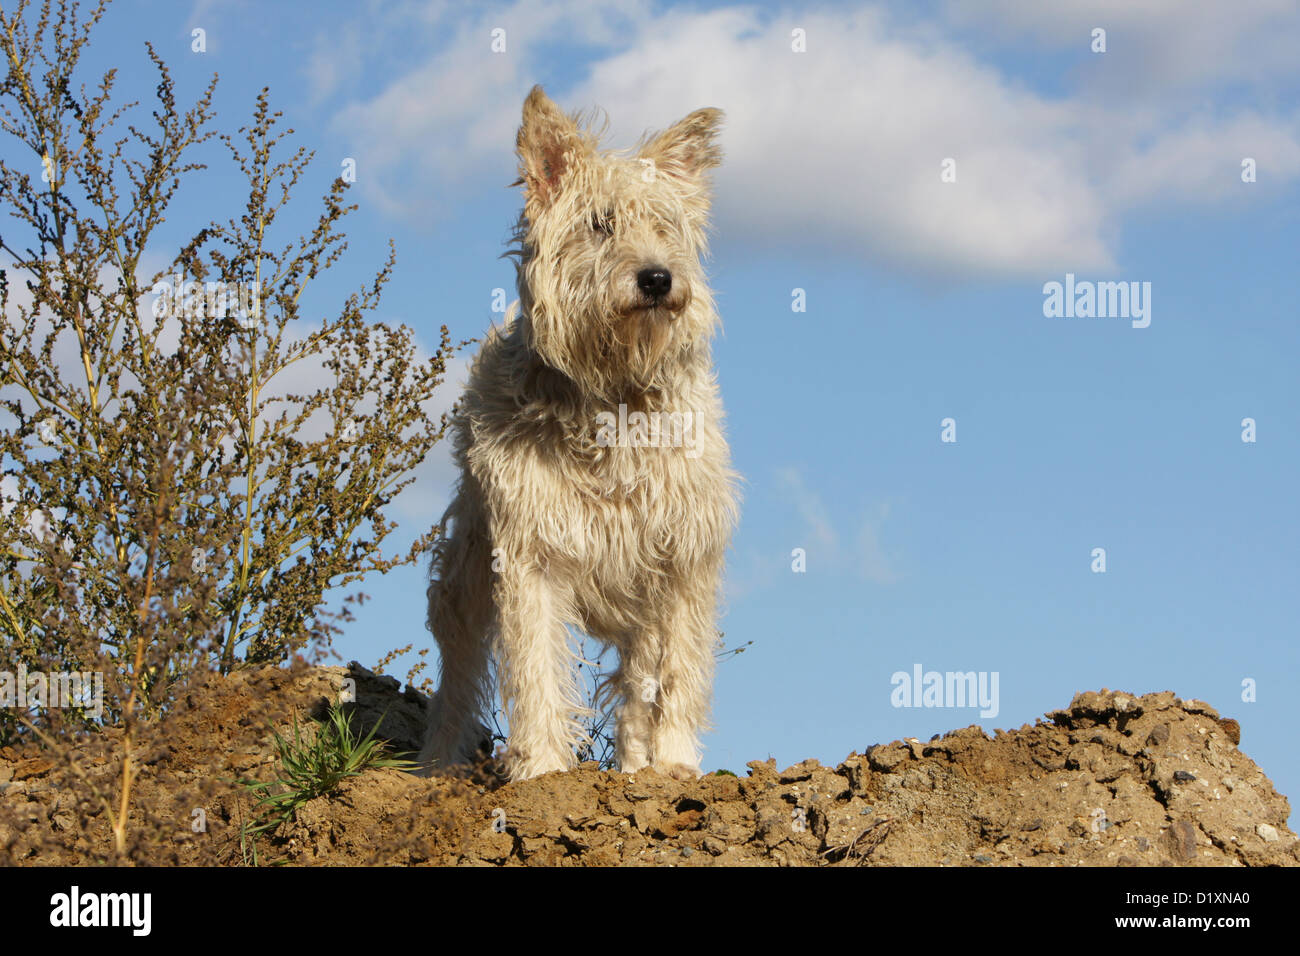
(596, 487)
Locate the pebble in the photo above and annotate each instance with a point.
(1267, 833)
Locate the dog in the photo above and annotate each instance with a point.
(596, 488)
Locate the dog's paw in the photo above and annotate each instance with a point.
(525, 767)
(632, 764)
(680, 771)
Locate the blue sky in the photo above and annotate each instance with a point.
(924, 302)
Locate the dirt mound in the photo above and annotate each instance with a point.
(1113, 779)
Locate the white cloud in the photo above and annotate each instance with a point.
(442, 121)
(843, 146)
(840, 147)
(876, 565)
(1156, 46)
(1192, 160)
(810, 508)
(863, 557)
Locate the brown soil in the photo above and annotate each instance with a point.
(1113, 779)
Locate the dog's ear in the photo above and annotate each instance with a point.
(689, 147)
(549, 144)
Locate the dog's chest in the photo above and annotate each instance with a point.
(629, 505)
(637, 511)
(646, 494)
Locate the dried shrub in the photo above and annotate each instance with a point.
(169, 508)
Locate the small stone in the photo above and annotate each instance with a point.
(1159, 735)
(1232, 729)
(714, 846)
(687, 851)
(1267, 833)
(1181, 840)
(1184, 776)
(983, 858)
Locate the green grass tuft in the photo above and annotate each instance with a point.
(310, 769)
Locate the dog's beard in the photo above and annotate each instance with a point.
(640, 341)
(610, 359)
(644, 330)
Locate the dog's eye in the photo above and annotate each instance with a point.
(603, 223)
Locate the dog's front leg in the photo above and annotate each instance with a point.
(685, 680)
(538, 679)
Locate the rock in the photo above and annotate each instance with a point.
(646, 816)
(800, 771)
(1193, 706)
(886, 757)
(400, 717)
(29, 769)
(1180, 839)
(1267, 833)
(857, 769)
(1159, 735)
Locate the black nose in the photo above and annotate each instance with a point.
(656, 282)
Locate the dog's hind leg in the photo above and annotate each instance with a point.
(637, 686)
(461, 619)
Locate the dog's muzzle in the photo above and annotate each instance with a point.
(655, 283)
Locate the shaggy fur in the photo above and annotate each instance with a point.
(576, 504)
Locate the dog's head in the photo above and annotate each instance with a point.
(610, 247)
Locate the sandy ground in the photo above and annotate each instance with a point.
(1111, 780)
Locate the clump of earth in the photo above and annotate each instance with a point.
(1113, 779)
